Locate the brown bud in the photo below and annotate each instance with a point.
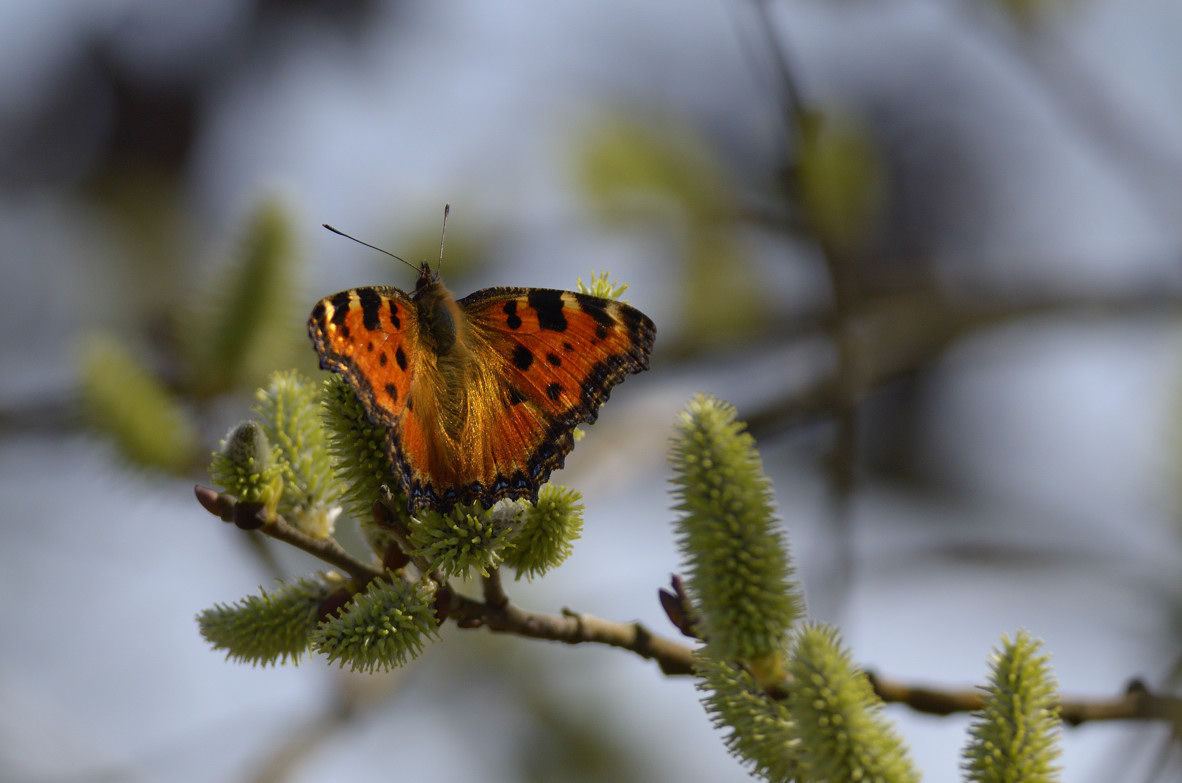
(381, 515)
(250, 516)
(220, 505)
(672, 608)
(394, 558)
(678, 608)
(443, 603)
(331, 606)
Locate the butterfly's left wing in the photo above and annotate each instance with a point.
(371, 336)
(549, 359)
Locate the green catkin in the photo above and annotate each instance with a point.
(357, 448)
(382, 628)
(546, 532)
(758, 730)
(736, 561)
(1015, 736)
(270, 628)
(289, 411)
(843, 734)
(246, 467)
(466, 538)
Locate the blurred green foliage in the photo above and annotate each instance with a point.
(641, 171)
(230, 335)
(147, 422)
(840, 182)
(242, 326)
(1030, 14)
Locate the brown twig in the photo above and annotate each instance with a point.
(499, 615)
(326, 549)
(1136, 703)
(674, 659)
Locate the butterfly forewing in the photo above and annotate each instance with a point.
(560, 351)
(369, 336)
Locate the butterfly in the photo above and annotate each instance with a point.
(479, 396)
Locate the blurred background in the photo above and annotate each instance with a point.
(931, 249)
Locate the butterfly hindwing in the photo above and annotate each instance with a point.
(369, 336)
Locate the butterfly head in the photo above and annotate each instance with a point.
(428, 277)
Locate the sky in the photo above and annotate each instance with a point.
(1031, 166)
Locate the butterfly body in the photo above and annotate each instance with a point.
(479, 396)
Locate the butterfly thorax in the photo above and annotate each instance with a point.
(443, 331)
(439, 315)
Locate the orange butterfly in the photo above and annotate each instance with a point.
(479, 396)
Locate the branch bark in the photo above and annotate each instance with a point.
(326, 549)
(1136, 703)
(498, 613)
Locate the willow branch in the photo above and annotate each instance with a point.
(569, 628)
(1136, 703)
(497, 613)
(676, 659)
(326, 549)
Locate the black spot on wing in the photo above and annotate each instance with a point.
(397, 324)
(340, 307)
(547, 304)
(371, 308)
(596, 308)
(382, 358)
(400, 357)
(554, 359)
(515, 396)
(392, 390)
(523, 358)
(513, 321)
(554, 391)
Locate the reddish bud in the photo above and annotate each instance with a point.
(331, 606)
(220, 505)
(443, 603)
(678, 608)
(672, 608)
(250, 516)
(381, 515)
(394, 558)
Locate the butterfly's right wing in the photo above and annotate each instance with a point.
(547, 360)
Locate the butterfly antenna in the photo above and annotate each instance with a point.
(372, 247)
(443, 233)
